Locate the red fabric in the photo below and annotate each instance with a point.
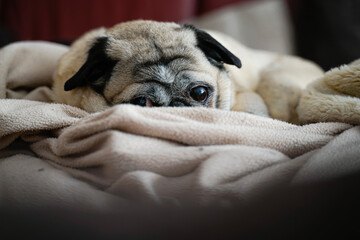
(210, 5)
(65, 20)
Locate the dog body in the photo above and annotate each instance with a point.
(152, 63)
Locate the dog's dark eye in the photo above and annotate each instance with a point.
(199, 93)
(141, 101)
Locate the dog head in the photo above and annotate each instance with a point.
(145, 63)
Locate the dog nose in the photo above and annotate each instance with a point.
(177, 104)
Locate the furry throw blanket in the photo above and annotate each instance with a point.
(56, 155)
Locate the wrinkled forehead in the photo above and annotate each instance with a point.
(162, 32)
(146, 42)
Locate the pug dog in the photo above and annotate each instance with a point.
(155, 64)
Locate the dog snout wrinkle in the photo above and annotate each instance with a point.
(177, 104)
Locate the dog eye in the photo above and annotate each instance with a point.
(141, 101)
(199, 93)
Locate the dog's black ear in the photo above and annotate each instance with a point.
(216, 53)
(97, 69)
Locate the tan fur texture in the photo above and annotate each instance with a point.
(334, 97)
(268, 84)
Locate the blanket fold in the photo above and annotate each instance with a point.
(130, 138)
(129, 153)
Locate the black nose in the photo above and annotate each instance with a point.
(177, 104)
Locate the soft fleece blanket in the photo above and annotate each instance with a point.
(60, 156)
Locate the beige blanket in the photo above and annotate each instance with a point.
(58, 155)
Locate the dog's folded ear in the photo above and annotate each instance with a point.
(216, 53)
(97, 69)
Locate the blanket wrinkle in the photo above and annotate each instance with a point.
(232, 161)
(29, 55)
(201, 185)
(22, 117)
(20, 191)
(325, 164)
(163, 155)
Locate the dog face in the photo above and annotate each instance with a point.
(145, 63)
